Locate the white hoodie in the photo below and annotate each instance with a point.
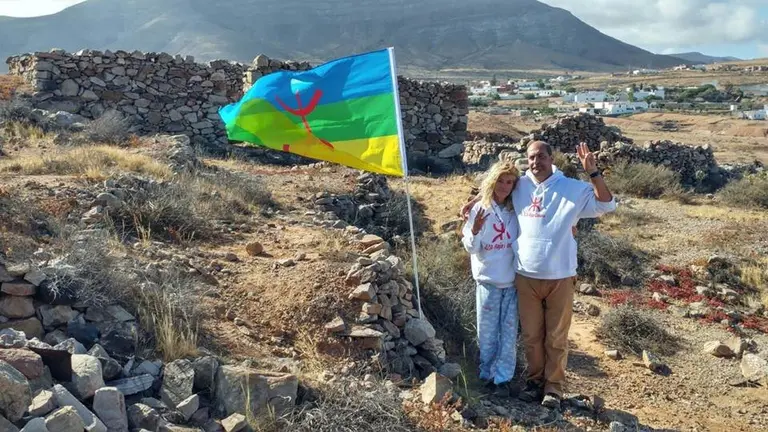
(492, 249)
(546, 248)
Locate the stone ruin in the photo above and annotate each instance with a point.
(696, 165)
(161, 93)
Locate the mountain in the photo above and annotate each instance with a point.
(699, 58)
(430, 34)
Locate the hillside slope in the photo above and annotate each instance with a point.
(697, 57)
(430, 34)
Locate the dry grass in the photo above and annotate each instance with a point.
(441, 198)
(632, 329)
(185, 208)
(646, 181)
(21, 131)
(96, 163)
(111, 128)
(751, 192)
(349, 407)
(175, 333)
(607, 260)
(755, 275)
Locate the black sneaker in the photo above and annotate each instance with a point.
(503, 390)
(551, 401)
(531, 393)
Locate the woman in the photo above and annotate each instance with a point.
(488, 235)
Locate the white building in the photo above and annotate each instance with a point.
(528, 85)
(618, 108)
(644, 71)
(586, 97)
(644, 93)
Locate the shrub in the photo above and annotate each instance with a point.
(185, 208)
(748, 192)
(164, 301)
(645, 181)
(393, 219)
(607, 260)
(110, 128)
(15, 110)
(348, 407)
(632, 329)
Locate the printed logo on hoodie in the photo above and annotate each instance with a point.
(534, 210)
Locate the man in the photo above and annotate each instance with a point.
(548, 205)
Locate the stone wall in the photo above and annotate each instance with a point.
(569, 130)
(160, 93)
(173, 94)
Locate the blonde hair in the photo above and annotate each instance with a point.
(489, 183)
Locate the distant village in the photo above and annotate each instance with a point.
(562, 97)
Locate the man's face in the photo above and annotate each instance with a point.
(539, 161)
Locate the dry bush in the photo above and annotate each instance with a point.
(185, 208)
(93, 162)
(749, 192)
(606, 259)
(633, 329)
(447, 289)
(111, 128)
(165, 303)
(14, 110)
(646, 181)
(348, 407)
(755, 275)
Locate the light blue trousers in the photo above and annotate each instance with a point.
(497, 332)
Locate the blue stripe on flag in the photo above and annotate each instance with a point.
(341, 79)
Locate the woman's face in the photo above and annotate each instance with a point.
(504, 186)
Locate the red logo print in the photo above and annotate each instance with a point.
(501, 230)
(536, 204)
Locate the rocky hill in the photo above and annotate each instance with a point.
(431, 34)
(697, 57)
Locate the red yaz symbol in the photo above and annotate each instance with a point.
(536, 204)
(304, 112)
(501, 229)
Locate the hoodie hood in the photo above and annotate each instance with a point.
(556, 175)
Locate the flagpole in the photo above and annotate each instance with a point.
(393, 69)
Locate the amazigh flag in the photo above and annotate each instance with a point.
(346, 111)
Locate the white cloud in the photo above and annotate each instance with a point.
(29, 8)
(669, 24)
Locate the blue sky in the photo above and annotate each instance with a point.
(736, 28)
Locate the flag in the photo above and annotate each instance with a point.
(345, 111)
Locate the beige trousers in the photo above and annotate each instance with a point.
(545, 308)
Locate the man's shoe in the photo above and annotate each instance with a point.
(551, 401)
(531, 393)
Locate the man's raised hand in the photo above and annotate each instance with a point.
(587, 158)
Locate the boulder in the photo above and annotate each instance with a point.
(64, 398)
(109, 405)
(25, 361)
(141, 416)
(7, 426)
(753, 367)
(417, 331)
(31, 327)
(64, 419)
(15, 307)
(87, 376)
(435, 387)
(15, 395)
(178, 381)
(718, 349)
(205, 372)
(35, 425)
(42, 404)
